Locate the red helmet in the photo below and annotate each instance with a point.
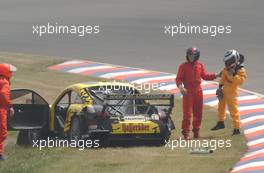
(193, 52)
(6, 70)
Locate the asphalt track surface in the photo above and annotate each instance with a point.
(132, 31)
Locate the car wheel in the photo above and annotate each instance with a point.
(104, 140)
(75, 130)
(165, 137)
(26, 137)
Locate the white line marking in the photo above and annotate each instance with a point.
(248, 165)
(82, 69)
(206, 92)
(252, 107)
(144, 80)
(253, 153)
(168, 87)
(114, 74)
(255, 142)
(249, 97)
(252, 118)
(254, 129)
(213, 103)
(72, 62)
(241, 98)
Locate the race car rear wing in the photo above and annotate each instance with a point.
(138, 96)
(140, 102)
(169, 97)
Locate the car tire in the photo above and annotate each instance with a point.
(26, 137)
(104, 141)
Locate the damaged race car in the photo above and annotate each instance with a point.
(105, 111)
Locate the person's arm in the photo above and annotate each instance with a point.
(179, 80)
(5, 94)
(180, 75)
(205, 75)
(219, 91)
(240, 77)
(222, 77)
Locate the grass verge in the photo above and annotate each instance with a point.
(32, 73)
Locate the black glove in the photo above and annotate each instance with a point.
(217, 75)
(219, 93)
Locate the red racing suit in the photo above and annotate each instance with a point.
(4, 107)
(190, 75)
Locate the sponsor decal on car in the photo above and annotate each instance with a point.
(135, 128)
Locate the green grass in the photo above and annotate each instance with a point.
(32, 73)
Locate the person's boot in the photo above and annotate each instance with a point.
(219, 125)
(236, 132)
(196, 135)
(2, 157)
(185, 135)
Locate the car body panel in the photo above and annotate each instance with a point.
(77, 100)
(30, 110)
(87, 100)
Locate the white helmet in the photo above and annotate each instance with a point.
(12, 68)
(231, 58)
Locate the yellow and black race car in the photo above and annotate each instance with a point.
(109, 112)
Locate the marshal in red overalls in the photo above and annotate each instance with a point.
(5, 75)
(188, 80)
